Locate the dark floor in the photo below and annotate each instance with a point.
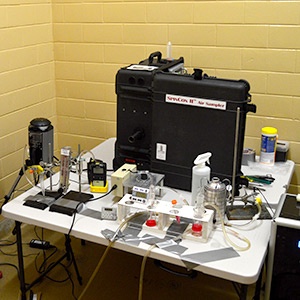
(118, 277)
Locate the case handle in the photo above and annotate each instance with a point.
(155, 54)
(190, 274)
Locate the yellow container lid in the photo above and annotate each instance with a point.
(269, 130)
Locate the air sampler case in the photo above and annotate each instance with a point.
(134, 110)
(164, 123)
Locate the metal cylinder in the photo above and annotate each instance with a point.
(65, 165)
(215, 193)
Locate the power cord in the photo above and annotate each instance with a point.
(45, 246)
(90, 200)
(237, 235)
(12, 265)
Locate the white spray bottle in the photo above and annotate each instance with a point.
(200, 176)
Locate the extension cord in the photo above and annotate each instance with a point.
(39, 244)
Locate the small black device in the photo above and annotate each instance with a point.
(97, 176)
(39, 244)
(40, 138)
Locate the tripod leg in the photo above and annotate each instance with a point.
(8, 196)
(70, 255)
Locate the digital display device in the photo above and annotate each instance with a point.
(97, 172)
(140, 194)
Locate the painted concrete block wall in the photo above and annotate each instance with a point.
(253, 40)
(59, 58)
(27, 85)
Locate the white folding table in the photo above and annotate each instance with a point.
(244, 268)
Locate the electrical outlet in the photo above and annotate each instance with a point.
(6, 227)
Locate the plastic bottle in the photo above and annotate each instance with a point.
(200, 176)
(268, 145)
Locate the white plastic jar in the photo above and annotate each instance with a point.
(268, 145)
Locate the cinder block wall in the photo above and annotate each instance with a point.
(253, 40)
(27, 85)
(59, 58)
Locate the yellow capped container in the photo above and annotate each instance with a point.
(268, 145)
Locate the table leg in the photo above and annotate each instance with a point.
(20, 260)
(241, 290)
(258, 285)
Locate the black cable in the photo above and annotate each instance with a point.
(43, 267)
(36, 233)
(273, 213)
(12, 243)
(11, 265)
(90, 200)
(71, 280)
(62, 280)
(100, 197)
(9, 243)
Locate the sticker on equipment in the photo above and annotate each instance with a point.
(200, 102)
(161, 151)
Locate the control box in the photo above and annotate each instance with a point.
(118, 178)
(283, 273)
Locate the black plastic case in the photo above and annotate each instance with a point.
(188, 130)
(187, 114)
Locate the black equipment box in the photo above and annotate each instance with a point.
(283, 272)
(166, 118)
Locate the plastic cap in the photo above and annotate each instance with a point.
(151, 223)
(269, 130)
(258, 200)
(202, 158)
(174, 202)
(196, 227)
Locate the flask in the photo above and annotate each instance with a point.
(198, 214)
(200, 175)
(268, 145)
(215, 193)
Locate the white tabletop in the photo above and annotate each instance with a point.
(244, 268)
(281, 171)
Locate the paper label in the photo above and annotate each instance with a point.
(200, 102)
(141, 68)
(161, 151)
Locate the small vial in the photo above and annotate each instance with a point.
(151, 222)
